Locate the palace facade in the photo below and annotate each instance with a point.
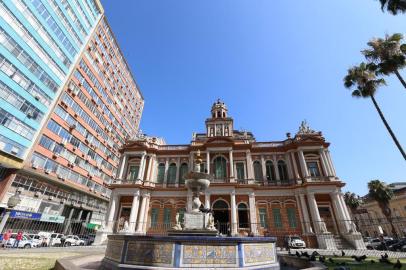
(277, 188)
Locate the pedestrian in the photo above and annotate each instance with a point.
(6, 237)
(19, 237)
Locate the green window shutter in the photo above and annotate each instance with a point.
(291, 217)
(161, 173)
(167, 216)
(276, 212)
(154, 217)
(263, 217)
(134, 172)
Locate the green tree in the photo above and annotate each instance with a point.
(387, 55)
(393, 6)
(382, 194)
(352, 200)
(366, 84)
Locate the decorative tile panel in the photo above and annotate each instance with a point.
(150, 253)
(209, 255)
(255, 254)
(114, 250)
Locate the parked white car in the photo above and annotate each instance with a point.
(26, 242)
(295, 242)
(40, 240)
(56, 239)
(73, 240)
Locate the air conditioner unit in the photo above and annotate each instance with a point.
(47, 171)
(37, 194)
(34, 165)
(73, 126)
(37, 97)
(30, 114)
(72, 164)
(55, 155)
(64, 141)
(51, 198)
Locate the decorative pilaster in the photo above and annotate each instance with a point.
(319, 225)
(166, 172)
(207, 200)
(306, 218)
(177, 171)
(231, 165)
(124, 161)
(234, 224)
(328, 156)
(113, 205)
(296, 172)
(275, 167)
(143, 209)
(249, 165)
(208, 161)
(134, 212)
(253, 213)
(141, 170)
(303, 165)
(263, 165)
(324, 163)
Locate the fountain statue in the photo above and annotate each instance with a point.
(196, 222)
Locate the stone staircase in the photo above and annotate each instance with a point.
(342, 243)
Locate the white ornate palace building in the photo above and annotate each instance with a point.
(276, 188)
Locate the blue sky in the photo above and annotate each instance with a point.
(274, 63)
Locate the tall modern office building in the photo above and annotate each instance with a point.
(69, 103)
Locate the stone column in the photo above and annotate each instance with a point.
(207, 200)
(141, 170)
(68, 221)
(344, 206)
(234, 224)
(134, 211)
(275, 167)
(123, 165)
(191, 156)
(328, 156)
(141, 219)
(296, 172)
(340, 213)
(88, 217)
(231, 164)
(177, 172)
(208, 161)
(263, 169)
(253, 213)
(249, 166)
(303, 165)
(146, 214)
(314, 210)
(306, 218)
(151, 166)
(289, 166)
(299, 208)
(113, 205)
(324, 163)
(166, 171)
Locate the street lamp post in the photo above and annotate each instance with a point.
(12, 202)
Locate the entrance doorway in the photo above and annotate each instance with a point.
(326, 216)
(221, 217)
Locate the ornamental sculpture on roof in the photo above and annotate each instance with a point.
(305, 129)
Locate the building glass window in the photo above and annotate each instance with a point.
(154, 217)
(277, 219)
(313, 169)
(258, 171)
(240, 170)
(182, 172)
(270, 171)
(172, 173)
(263, 217)
(134, 172)
(161, 173)
(220, 168)
(291, 217)
(243, 216)
(283, 170)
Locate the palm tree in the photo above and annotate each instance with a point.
(393, 6)
(382, 194)
(387, 55)
(352, 200)
(366, 85)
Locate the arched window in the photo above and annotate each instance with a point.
(161, 173)
(220, 167)
(270, 171)
(283, 170)
(182, 172)
(172, 173)
(220, 205)
(243, 216)
(258, 171)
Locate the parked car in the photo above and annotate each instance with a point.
(398, 245)
(56, 239)
(294, 242)
(37, 239)
(386, 244)
(73, 240)
(87, 238)
(26, 241)
(373, 243)
(46, 238)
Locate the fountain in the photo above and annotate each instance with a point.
(194, 243)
